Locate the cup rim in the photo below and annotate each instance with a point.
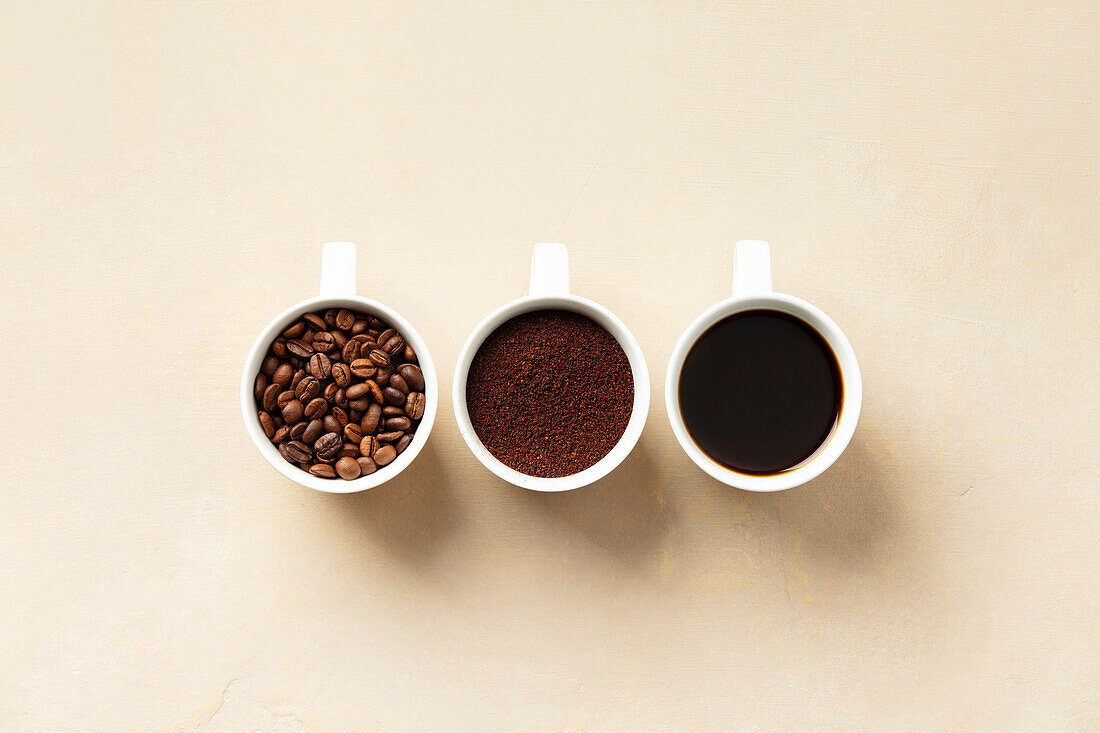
(250, 412)
(849, 372)
(639, 372)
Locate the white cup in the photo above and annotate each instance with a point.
(549, 290)
(752, 290)
(337, 291)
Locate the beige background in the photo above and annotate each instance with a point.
(927, 173)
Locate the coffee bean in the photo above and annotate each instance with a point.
(307, 389)
(360, 404)
(398, 423)
(363, 368)
(271, 396)
(320, 366)
(330, 317)
(297, 430)
(295, 331)
(331, 424)
(258, 387)
(353, 433)
(414, 405)
(284, 454)
(393, 411)
(409, 355)
(402, 444)
(398, 383)
(345, 319)
(284, 398)
(347, 449)
(384, 375)
(315, 321)
(376, 323)
(281, 434)
(278, 347)
(394, 346)
(356, 391)
(298, 377)
(341, 417)
(298, 451)
(379, 357)
(359, 326)
(341, 374)
(267, 424)
(348, 468)
(323, 342)
(300, 349)
(355, 416)
(283, 375)
(338, 341)
(269, 365)
(368, 445)
(393, 396)
(330, 391)
(413, 376)
(386, 335)
(293, 411)
(385, 455)
(351, 351)
(371, 418)
(327, 445)
(322, 470)
(316, 408)
(390, 436)
(340, 398)
(366, 465)
(313, 430)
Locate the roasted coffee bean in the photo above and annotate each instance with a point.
(299, 348)
(348, 468)
(345, 319)
(267, 423)
(371, 418)
(284, 454)
(322, 470)
(398, 423)
(298, 451)
(398, 383)
(413, 376)
(360, 404)
(295, 331)
(390, 436)
(316, 408)
(331, 424)
(293, 411)
(283, 375)
(376, 323)
(330, 391)
(327, 445)
(269, 365)
(340, 398)
(356, 391)
(386, 335)
(297, 430)
(323, 341)
(284, 398)
(384, 375)
(363, 368)
(393, 411)
(258, 387)
(313, 430)
(320, 366)
(281, 434)
(379, 357)
(374, 390)
(359, 326)
(394, 346)
(414, 405)
(315, 321)
(341, 417)
(355, 416)
(353, 433)
(330, 317)
(366, 465)
(271, 397)
(409, 355)
(385, 455)
(393, 396)
(341, 374)
(278, 347)
(368, 445)
(347, 449)
(308, 388)
(298, 377)
(339, 340)
(351, 351)
(402, 444)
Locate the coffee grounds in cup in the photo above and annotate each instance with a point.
(550, 393)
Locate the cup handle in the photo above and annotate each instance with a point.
(338, 270)
(549, 270)
(752, 268)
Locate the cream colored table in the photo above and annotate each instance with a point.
(927, 173)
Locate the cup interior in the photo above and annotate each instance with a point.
(267, 448)
(639, 372)
(851, 401)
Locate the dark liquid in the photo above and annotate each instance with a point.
(760, 392)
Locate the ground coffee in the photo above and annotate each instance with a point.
(340, 393)
(550, 393)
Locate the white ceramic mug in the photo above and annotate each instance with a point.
(752, 290)
(337, 291)
(549, 290)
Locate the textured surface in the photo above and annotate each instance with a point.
(925, 172)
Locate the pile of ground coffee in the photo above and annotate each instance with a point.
(550, 393)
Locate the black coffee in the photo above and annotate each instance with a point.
(760, 391)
